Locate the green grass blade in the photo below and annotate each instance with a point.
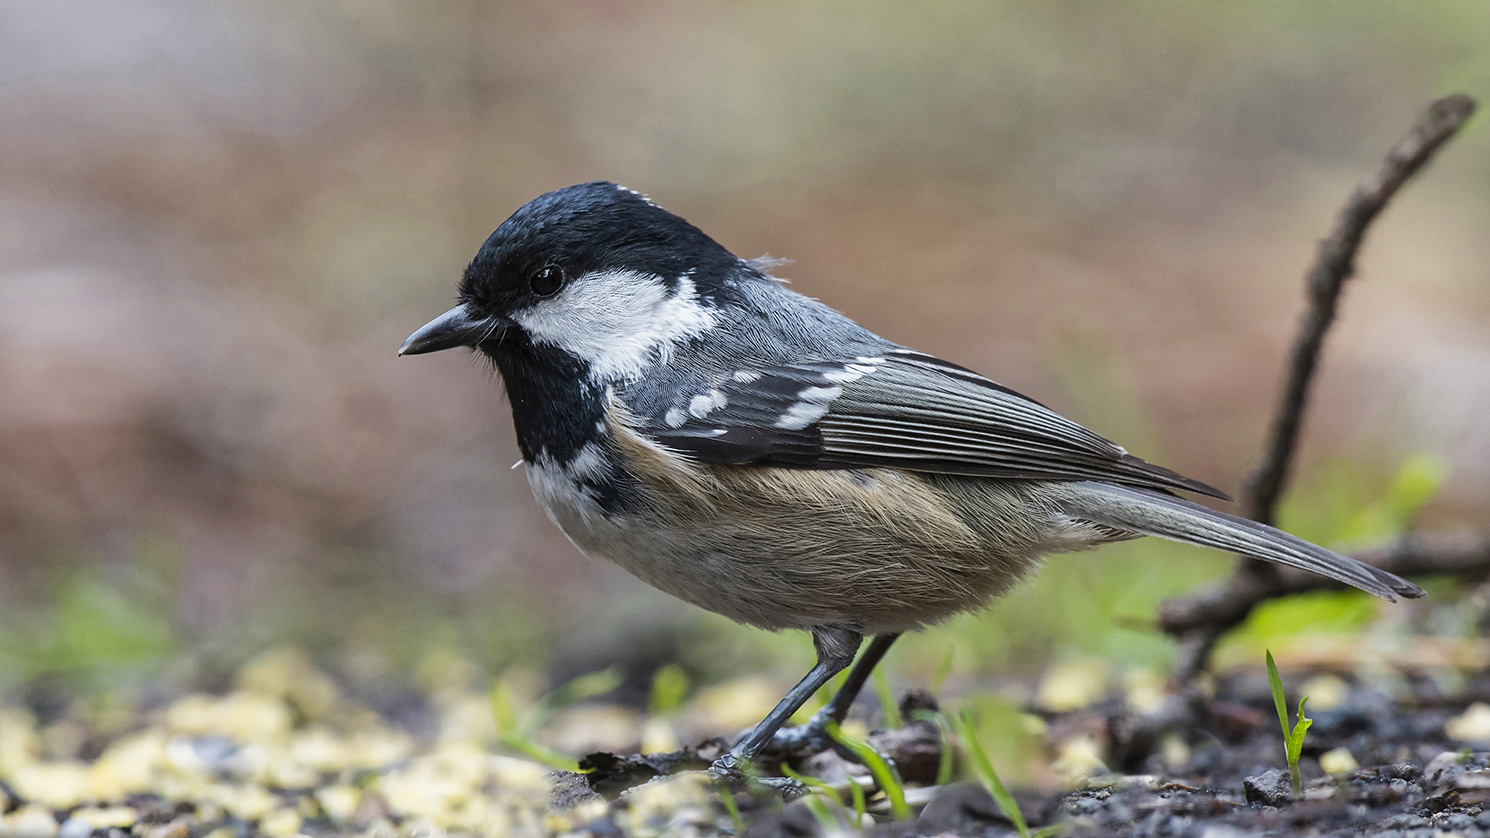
(1300, 727)
(513, 731)
(727, 798)
(819, 810)
(883, 772)
(1295, 747)
(539, 754)
(887, 700)
(822, 793)
(967, 730)
(581, 688)
(1275, 683)
(861, 806)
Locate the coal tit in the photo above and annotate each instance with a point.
(754, 452)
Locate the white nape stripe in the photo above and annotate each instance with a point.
(618, 322)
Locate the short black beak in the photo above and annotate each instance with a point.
(455, 328)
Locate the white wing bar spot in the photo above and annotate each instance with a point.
(812, 403)
(700, 405)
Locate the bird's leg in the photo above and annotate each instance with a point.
(811, 738)
(835, 651)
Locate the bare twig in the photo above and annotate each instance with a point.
(1253, 582)
(1336, 264)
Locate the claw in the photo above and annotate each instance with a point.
(802, 740)
(808, 739)
(726, 773)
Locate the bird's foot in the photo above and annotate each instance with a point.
(808, 739)
(802, 740)
(735, 773)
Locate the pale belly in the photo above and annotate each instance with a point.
(873, 550)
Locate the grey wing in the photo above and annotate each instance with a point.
(899, 409)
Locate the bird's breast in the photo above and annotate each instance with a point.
(874, 549)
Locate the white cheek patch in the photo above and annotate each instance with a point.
(619, 321)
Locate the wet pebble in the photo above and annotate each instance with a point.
(1271, 788)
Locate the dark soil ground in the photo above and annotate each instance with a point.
(288, 751)
(1412, 777)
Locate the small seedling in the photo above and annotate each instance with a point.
(967, 731)
(512, 734)
(1293, 740)
(516, 730)
(883, 772)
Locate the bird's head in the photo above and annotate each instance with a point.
(596, 271)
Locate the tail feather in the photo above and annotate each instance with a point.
(1153, 513)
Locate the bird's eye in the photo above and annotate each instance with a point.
(546, 282)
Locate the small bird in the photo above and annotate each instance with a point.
(752, 451)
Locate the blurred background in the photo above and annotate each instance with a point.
(219, 220)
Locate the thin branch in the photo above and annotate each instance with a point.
(1254, 582)
(1325, 280)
